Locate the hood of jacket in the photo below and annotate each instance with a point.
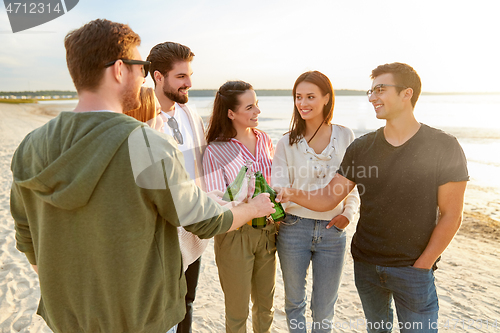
(62, 161)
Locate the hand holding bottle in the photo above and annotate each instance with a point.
(256, 207)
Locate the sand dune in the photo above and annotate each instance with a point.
(468, 279)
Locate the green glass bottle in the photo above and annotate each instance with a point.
(259, 222)
(279, 215)
(235, 186)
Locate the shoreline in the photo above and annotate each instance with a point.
(467, 278)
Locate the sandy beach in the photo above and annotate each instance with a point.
(468, 278)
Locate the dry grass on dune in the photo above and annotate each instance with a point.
(478, 225)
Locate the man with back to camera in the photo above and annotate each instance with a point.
(412, 180)
(106, 250)
(171, 72)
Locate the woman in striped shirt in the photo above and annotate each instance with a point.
(245, 257)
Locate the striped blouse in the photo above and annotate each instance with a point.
(223, 160)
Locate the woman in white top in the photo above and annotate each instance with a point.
(307, 158)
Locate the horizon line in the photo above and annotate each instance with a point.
(361, 92)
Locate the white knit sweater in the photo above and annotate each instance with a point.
(298, 166)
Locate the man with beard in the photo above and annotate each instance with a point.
(171, 72)
(97, 197)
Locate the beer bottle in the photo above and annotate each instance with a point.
(279, 215)
(239, 183)
(259, 222)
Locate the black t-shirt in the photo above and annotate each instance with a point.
(398, 188)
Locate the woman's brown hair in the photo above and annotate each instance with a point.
(297, 124)
(220, 127)
(147, 110)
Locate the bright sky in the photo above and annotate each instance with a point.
(452, 44)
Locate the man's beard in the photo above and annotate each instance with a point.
(131, 99)
(174, 95)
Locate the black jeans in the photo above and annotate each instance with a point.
(192, 274)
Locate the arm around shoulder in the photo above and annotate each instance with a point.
(320, 200)
(351, 204)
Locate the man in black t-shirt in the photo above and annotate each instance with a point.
(411, 179)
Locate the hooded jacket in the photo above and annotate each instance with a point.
(96, 200)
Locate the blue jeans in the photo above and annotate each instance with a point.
(412, 289)
(300, 241)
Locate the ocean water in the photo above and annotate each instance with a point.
(473, 119)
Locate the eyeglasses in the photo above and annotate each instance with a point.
(172, 123)
(379, 89)
(144, 68)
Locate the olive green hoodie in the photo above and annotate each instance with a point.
(107, 249)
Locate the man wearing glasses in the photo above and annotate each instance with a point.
(411, 180)
(105, 249)
(171, 72)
